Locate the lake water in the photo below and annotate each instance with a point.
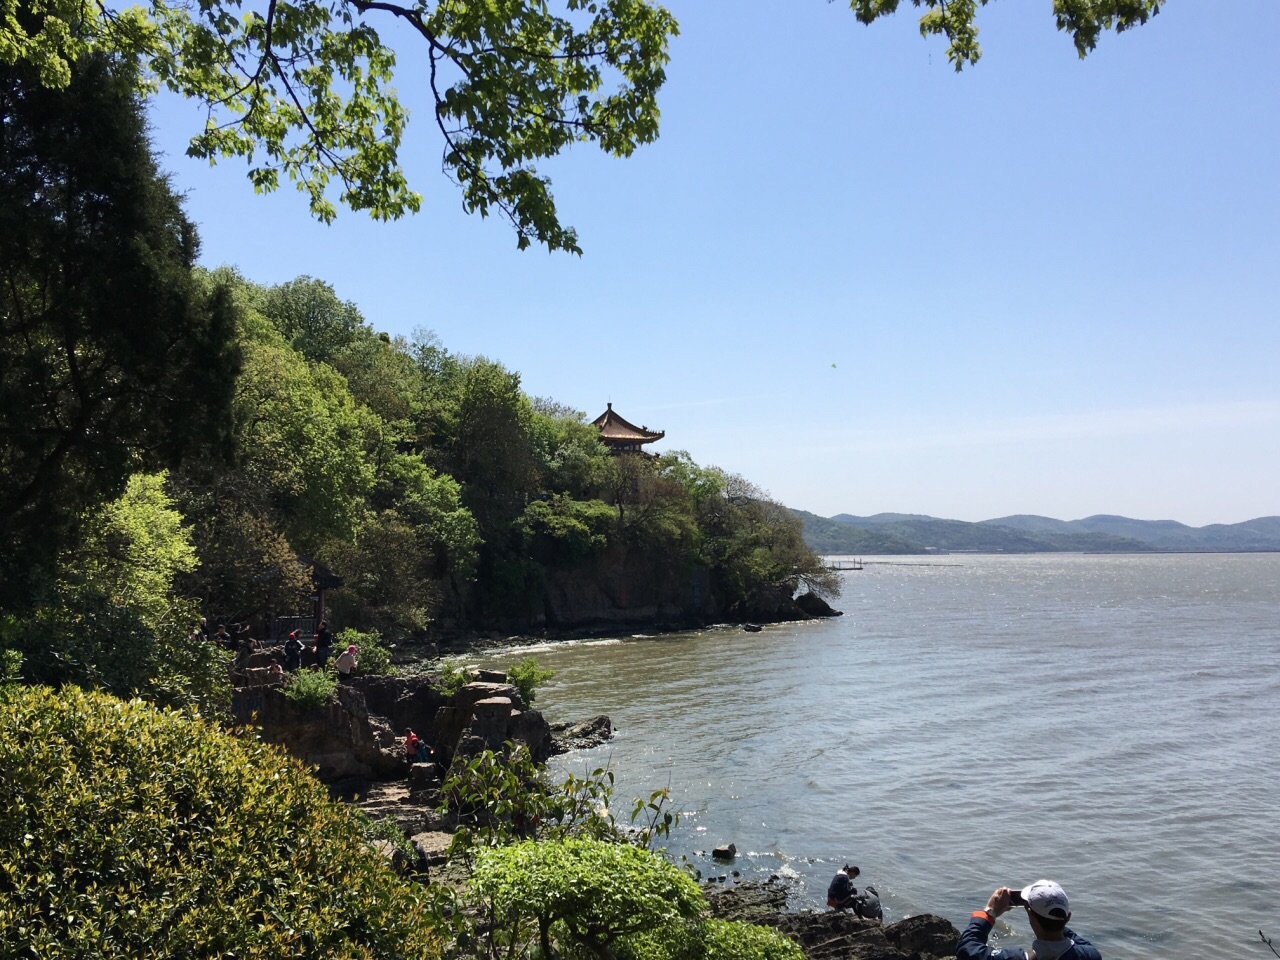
(1111, 722)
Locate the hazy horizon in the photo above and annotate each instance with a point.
(1002, 516)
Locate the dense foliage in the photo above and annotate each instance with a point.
(111, 619)
(115, 356)
(135, 832)
(430, 484)
(590, 893)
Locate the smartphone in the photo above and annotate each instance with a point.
(1015, 898)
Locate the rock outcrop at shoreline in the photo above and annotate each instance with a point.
(355, 736)
(580, 736)
(627, 589)
(830, 935)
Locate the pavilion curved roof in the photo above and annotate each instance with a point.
(614, 427)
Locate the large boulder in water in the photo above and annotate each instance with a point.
(814, 606)
(580, 736)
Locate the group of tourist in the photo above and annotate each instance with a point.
(242, 644)
(321, 641)
(1045, 903)
(222, 637)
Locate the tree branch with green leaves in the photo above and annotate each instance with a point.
(303, 89)
(956, 20)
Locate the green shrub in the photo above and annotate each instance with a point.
(453, 677)
(135, 832)
(310, 689)
(528, 676)
(709, 940)
(503, 798)
(585, 893)
(372, 658)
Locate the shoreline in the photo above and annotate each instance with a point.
(487, 641)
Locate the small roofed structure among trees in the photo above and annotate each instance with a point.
(622, 436)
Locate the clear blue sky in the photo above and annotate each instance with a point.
(870, 284)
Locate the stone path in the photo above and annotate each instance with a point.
(419, 821)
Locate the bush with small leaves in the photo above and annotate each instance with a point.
(310, 689)
(10, 665)
(135, 832)
(710, 939)
(527, 676)
(374, 659)
(585, 894)
(453, 676)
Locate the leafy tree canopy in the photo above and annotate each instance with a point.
(114, 620)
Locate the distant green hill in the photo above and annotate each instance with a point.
(1259, 534)
(891, 533)
(828, 537)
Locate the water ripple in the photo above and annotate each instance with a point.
(1110, 721)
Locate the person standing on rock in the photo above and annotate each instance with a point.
(346, 663)
(293, 652)
(411, 743)
(324, 643)
(1047, 912)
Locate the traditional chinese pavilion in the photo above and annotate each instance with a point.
(622, 436)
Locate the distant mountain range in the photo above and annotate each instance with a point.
(887, 533)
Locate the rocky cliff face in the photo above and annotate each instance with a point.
(342, 740)
(626, 587)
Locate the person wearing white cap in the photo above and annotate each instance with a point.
(1047, 911)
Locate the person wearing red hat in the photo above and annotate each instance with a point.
(1047, 912)
(411, 743)
(346, 663)
(293, 652)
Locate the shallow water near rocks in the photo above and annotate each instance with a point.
(1112, 722)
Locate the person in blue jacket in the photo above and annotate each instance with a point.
(1047, 911)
